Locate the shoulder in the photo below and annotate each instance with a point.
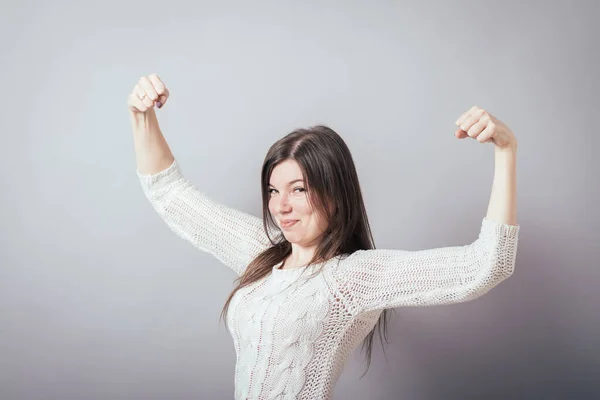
(370, 256)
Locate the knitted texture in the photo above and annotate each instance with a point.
(294, 333)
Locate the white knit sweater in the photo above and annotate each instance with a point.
(293, 335)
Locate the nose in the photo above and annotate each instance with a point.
(283, 203)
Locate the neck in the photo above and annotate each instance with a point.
(301, 255)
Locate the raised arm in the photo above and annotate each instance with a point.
(478, 124)
(379, 279)
(152, 152)
(233, 237)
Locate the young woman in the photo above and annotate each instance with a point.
(311, 285)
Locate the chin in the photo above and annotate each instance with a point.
(294, 237)
(290, 238)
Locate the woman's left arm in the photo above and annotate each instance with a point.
(379, 279)
(479, 124)
(503, 200)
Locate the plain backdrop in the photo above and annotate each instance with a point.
(100, 300)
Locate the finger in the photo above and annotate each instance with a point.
(162, 99)
(469, 113)
(460, 134)
(161, 90)
(157, 84)
(138, 91)
(462, 118)
(145, 98)
(147, 86)
(142, 96)
(486, 134)
(476, 129)
(468, 123)
(136, 104)
(476, 114)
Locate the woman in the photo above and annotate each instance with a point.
(311, 286)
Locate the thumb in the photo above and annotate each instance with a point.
(460, 134)
(162, 99)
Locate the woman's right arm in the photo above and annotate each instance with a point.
(233, 237)
(152, 152)
(151, 149)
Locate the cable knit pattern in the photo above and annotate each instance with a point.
(293, 333)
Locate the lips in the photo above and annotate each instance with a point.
(288, 223)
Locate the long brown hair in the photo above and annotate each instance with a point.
(333, 191)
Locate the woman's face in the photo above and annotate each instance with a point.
(288, 201)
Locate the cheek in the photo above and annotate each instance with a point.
(315, 223)
(321, 223)
(302, 209)
(272, 210)
(270, 206)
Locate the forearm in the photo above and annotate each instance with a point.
(503, 200)
(151, 149)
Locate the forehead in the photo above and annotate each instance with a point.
(286, 171)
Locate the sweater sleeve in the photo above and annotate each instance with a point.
(233, 237)
(379, 279)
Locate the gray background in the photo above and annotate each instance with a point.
(99, 300)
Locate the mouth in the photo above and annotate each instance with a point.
(288, 224)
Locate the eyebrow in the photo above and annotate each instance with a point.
(292, 182)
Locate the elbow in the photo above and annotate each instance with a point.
(489, 276)
(496, 264)
(502, 263)
(161, 196)
(162, 185)
(497, 253)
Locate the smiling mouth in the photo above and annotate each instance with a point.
(286, 225)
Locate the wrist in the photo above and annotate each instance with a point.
(508, 148)
(144, 120)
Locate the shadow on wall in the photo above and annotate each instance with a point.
(531, 337)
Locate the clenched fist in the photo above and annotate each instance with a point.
(479, 124)
(149, 91)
